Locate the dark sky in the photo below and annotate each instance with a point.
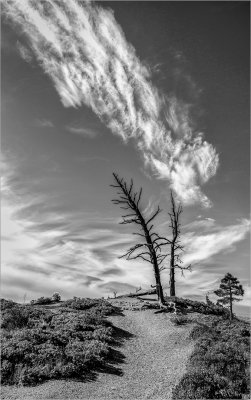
(187, 74)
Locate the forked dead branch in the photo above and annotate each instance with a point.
(150, 249)
(175, 243)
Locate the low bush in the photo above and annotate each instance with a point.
(42, 300)
(245, 332)
(100, 306)
(14, 317)
(7, 304)
(204, 385)
(49, 345)
(179, 320)
(200, 330)
(199, 307)
(78, 303)
(56, 297)
(219, 365)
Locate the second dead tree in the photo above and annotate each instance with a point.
(150, 249)
(175, 244)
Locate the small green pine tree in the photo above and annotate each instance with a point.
(229, 288)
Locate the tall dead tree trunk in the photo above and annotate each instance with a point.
(230, 303)
(175, 244)
(150, 250)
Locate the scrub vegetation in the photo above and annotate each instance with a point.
(67, 342)
(219, 365)
(75, 340)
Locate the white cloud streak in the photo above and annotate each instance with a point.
(84, 51)
(84, 132)
(43, 123)
(47, 251)
(247, 297)
(202, 247)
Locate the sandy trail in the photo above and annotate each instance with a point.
(152, 360)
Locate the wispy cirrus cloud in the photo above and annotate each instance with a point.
(202, 246)
(61, 251)
(82, 48)
(85, 132)
(201, 224)
(43, 123)
(24, 52)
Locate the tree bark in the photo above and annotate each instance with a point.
(231, 305)
(175, 225)
(159, 288)
(147, 292)
(172, 272)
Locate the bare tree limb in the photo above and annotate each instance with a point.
(129, 199)
(175, 243)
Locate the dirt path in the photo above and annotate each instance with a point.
(154, 361)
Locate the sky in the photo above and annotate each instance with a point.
(154, 91)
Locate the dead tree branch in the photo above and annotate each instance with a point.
(175, 243)
(150, 249)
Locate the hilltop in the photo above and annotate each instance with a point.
(150, 353)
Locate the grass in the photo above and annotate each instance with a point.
(219, 366)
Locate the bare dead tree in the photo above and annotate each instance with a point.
(175, 244)
(150, 249)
